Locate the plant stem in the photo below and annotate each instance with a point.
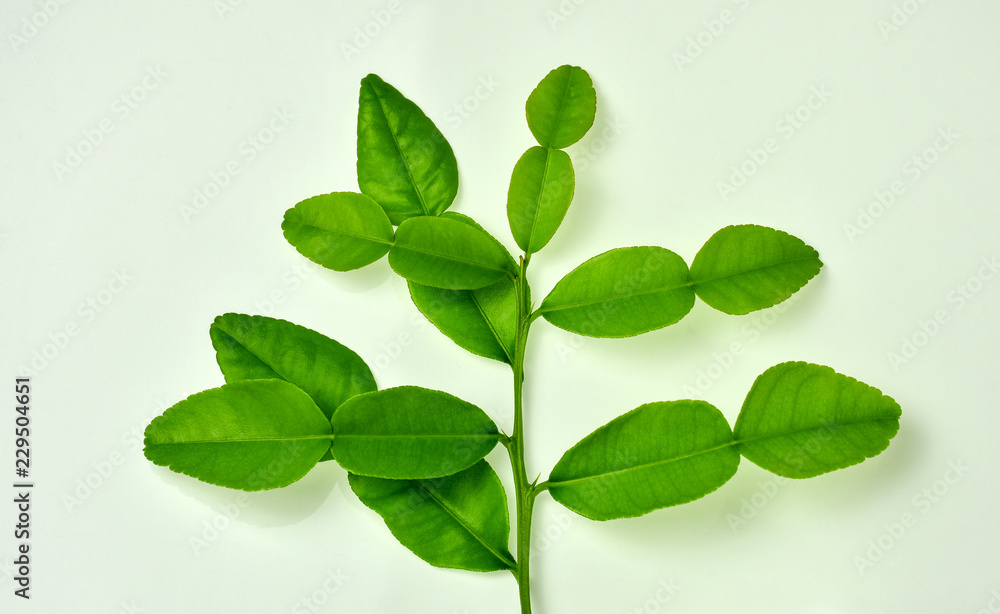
(523, 491)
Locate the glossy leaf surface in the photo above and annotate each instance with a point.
(561, 109)
(483, 321)
(447, 253)
(340, 231)
(745, 268)
(250, 435)
(655, 456)
(258, 347)
(621, 293)
(801, 420)
(404, 162)
(410, 433)
(541, 189)
(457, 521)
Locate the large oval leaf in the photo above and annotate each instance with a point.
(745, 268)
(541, 189)
(410, 433)
(562, 107)
(258, 347)
(458, 521)
(483, 321)
(655, 456)
(801, 420)
(447, 253)
(404, 162)
(250, 435)
(341, 231)
(621, 293)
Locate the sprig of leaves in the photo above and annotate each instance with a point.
(417, 457)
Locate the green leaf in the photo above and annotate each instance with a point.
(801, 420)
(447, 253)
(541, 189)
(458, 521)
(483, 321)
(250, 435)
(404, 162)
(562, 107)
(621, 293)
(745, 268)
(410, 433)
(258, 347)
(655, 456)
(341, 231)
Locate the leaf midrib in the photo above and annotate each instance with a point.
(493, 329)
(753, 269)
(468, 529)
(399, 150)
(544, 309)
(260, 358)
(474, 263)
(243, 440)
(417, 436)
(562, 107)
(347, 234)
(691, 283)
(733, 442)
(537, 210)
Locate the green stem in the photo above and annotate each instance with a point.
(524, 491)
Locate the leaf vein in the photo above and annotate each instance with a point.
(462, 523)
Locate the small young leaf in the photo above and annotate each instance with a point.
(745, 268)
(541, 189)
(458, 521)
(801, 420)
(404, 162)
(258, 347)
(341, 231)
(410, 433)
(483, 321)
(621, 293)
(447, 253)
(562, 107)
(250, 435)
(655, 456)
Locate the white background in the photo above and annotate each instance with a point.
(147, 105)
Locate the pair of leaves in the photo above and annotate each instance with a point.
(798, 421)
(633, 290)
(293, 396)
(226, 435)
(288, 384)
(408, 177)
(483, 320)
(406, 169)
(415, 457)
(345, 231)
(560, 111)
